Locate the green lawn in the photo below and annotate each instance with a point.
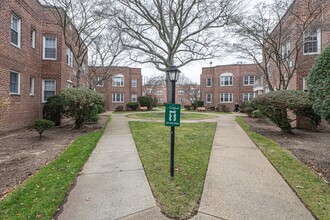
(41, 195)
(161, 115)
(311, 189)
(178, 198)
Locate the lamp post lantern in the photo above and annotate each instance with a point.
(173, 75)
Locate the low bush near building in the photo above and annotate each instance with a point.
(146, 101)
(82, 104)
(119, 108)
(222, 108)
(42, 125)
(275, 106)
(54, 108)
(133, 105)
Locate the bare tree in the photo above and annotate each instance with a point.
(106, 53)
(273, 37)
(81, 26)
(167, 33)
(152, 84)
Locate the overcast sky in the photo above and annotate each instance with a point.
(193, 70)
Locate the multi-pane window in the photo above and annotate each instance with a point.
(248, 96)
(33, 38)
(160, 100)
(14, 83)
(31, 86)
(100, 82)
(48, 89)
(117, 81)
(134, 98)
(15, 34)
(134, 82)
(286, 50)
(208, 82)
(226, 80)
(69, 57)
(312, 41)
(208, 98)
(181, 92)
(248, 80)
(226, 97)
(49, 48)
(181, 100)
(117, 97)
(69, 84)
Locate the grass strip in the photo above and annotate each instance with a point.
(193, 142)
(311, 189)
(161, 115)
(40, 196)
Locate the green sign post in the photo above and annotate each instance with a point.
(172, 115)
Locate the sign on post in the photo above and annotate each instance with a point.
(172, 115)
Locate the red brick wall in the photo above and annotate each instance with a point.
(23, 108)
(237, 89)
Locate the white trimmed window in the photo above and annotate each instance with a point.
(312, 41)
(181, 100)
(14, 83)
(181, 92)
(100, 82)
(69, 84)
(117, 97)
(226, 97)
(118, 80)
(226, 79)
(15, 34)
(50, 48)
(134, 82)
(286, 47)
(160, 100)
(31, 86)
(48, 89)
(248, 96)
(159, 92)
(134, 98)
(208, 82)
(69, 57)
(208, 98)
(33, 38)
(248, 80)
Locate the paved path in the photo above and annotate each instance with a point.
(240, 182)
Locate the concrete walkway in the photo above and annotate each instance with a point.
(240, 182)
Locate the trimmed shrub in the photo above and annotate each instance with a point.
(248, 111)
(146, 101)
(187, 107)
(119, 108)
(223, 108)
(43, 124)
(133, 105)
(54, 108)
(275, 106)
(319, 85)
(82, 104)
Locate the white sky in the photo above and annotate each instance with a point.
(193, 70)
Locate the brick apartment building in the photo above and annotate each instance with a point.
(34, 61)
(124, 85)
(228, 84)
(313, 41)
(182, 93)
